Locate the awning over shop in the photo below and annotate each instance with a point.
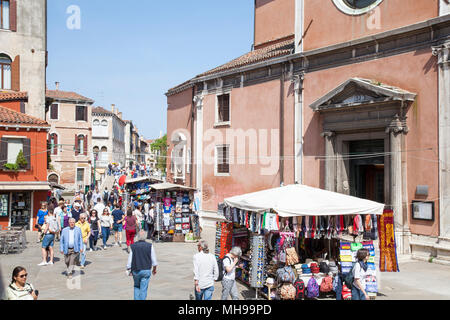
(24, 186)
(142, 179)
(168, 186)
(54, 185)
(301, 200)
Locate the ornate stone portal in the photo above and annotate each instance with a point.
(361, 109)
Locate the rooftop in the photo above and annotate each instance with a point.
(10, 117)
(67, 95)
(13, 95)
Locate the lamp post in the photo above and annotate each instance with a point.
(95, 163)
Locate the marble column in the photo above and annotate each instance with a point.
(330, 162)
(443, 54)
(396, 132)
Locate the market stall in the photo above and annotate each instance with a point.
(297, 239)
(176, 217)
(136, 190)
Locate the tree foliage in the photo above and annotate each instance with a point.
(161, 146)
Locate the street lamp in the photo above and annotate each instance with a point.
(95, 163)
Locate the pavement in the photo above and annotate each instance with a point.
(104, 277)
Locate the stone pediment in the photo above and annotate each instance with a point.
(356, 91)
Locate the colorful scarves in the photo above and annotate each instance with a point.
(388, 248)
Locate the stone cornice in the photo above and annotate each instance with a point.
(443, 53)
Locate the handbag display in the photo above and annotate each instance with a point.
(291, 256)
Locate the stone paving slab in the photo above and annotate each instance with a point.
(104, 277)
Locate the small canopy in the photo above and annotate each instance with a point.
(142, 179)
(168, 186)
(301, 200)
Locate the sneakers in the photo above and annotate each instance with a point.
(104, 247)
(50, 263)
(43, 263)
(90, 250)
(120, 244)
(81, 267)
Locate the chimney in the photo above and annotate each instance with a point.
(113, 108)
(57, 85)
(119, 115)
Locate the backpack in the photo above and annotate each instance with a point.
(149, 219)
(285, 274)
(326, 285)
(349, 278)
(312, 290)
(221, 268)
(324, 268)
(299, 286)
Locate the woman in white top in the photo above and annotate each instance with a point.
(19, 289)
(106, 222)
(359, 275)
(139, 216)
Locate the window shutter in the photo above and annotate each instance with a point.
(77, 151)
(54, 112)
(15, 74)
(55, 148)
(22, 106)
(85, 144)
(85, 114)
(3, 152)
(13, 15)
(226, 107)
(27, 152)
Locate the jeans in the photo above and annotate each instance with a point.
(357, 294)
(151, 230)
(141, 279)
(93, 239)
(204, 294)
(83, 255)
(105, 234)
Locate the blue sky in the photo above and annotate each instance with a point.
(130, 52)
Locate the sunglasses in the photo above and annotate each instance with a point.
(23, 275)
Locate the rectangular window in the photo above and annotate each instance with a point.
(223, 108)
(81, 114)
(223, 159)
(54, 112)
(80, 176)
(14, 147)
(4, 12)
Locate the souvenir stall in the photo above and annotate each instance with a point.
(139, 189)
(299, 242)
(176, 217)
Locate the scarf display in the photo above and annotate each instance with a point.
(388, 248)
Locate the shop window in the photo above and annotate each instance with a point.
(21, 209)
(223, 159)
(5, 72)
(223, 108)
(104, 123)
(81, 113)
(54, 112)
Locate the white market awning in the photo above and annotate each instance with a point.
(301, 200)
(168, 186)
(24, 186)
(142, 179)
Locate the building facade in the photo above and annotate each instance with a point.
(23, 185)
(358, 106)
(23, 51)
(70, 139)
(108, 138)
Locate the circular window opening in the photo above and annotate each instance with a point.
(356, 7)
(359, 4)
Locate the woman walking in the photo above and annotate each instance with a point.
(139, 217)
(51, 227)
(359, 275)
(106, 222)
(130, 229)
(95, 228)
(19, 289)
(150, 222)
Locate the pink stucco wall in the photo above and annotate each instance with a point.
(415, 72)
(329, 25)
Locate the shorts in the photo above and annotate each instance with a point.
(117, 227)
(48, 241)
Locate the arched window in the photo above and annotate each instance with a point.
(96, 122)
(5, 72)
(104, 123)
(53, 178)
(104, 154)
(54, 144)
(80, 145)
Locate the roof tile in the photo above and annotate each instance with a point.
(67, 95)
(13, 95)
(8, 116)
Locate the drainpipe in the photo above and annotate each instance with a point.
(283, 75)
(191, 170)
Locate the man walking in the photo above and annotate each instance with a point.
(141, 260)
(206, 272)
(118, 217)
(76, 211)
(85, 233)
(71, 245)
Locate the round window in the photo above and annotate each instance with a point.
(356, 7)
